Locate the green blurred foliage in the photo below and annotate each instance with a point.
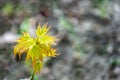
(102, 5)
(24, 27)
(70, 28)
(115, 61)
(8, 9)
(98, 3)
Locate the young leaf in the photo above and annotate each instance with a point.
(36, 48)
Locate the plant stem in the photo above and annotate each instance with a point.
(32, 77)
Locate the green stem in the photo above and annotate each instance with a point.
(32, 77)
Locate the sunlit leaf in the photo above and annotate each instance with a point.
(36, 48)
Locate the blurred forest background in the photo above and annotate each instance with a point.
(89, 33)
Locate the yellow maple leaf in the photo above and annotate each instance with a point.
(36, 48)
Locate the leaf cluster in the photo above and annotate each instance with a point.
(37, 47)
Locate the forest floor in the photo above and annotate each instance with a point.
(88, 33)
